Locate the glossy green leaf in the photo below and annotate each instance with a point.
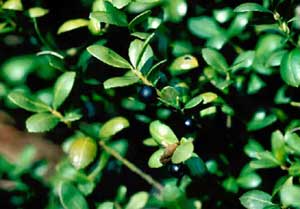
(208, 97)
(154, 160)
(35, 12)
(106, 205)
(173, 197)
(278, 146)
(108, 56)
(230, 185)
(293, 141)
(175, 10)
(249, 180)
(244, 60)
(138, 201)
(150, 142)
(120, 3)
(215, 59)
(41, 122)
(170, 96)
(290, 68)
(290, 195)
(196, 166)
(256, 199)
(27, 103)
(113, 126)
(252, 148)
(238, 24)
(120, 81)
(72, 25)
(13, 5)
(82, 152)
(194, 102)
(251, 7)
(111, 15)
(264, 160)
(260, 120)
(162, 133)
(275, 58)
(139, 19)
(183, 64)
(208, 111)
(183, 152)
(255, 84)
(204, 27)
(139, 53)
(70, 197)
(62, 88)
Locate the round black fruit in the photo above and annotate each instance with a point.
(147, 94)
(177, 170)
(189, 123)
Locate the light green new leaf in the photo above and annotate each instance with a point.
(113, 126)
(162, 133)
(108, 56)
(120, 3)
(183, 152)
(253, 148)
(293, 141)
(251, 7)
(154, 160)
(120, 81)
(278, 146)
(13, 5)
(138, 200)
(72, 25)
(62, 88)
(256, 199)
(193, 102)
(249, 180)
(106, 205)
(41, 122)
(29, 104)
(215, 59)
(139, 53)
(204, 27)
(290, 195)
(35, 12)
(70, 197)
(294, 169)
(264, 160)
(183, 64)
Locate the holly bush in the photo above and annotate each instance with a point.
(155, 103)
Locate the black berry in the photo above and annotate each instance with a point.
(147, 94)
(177, 170)
(189, 123)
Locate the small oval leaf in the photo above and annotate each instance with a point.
(251, 7)
(137, 201)
(183, 64)
(41, 122)
(35, 12)
(183, 152)
(162, 133)
(13, 5)
(113, 126)
(290, 68)
(154, 160)
(72, 25)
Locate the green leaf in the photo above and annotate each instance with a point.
(196, 166)
(106, 205)
(255, 84)
(256, 199)
(29, 104)
(62, 88)
(253, 148)
(183, 64)
(82, 152)
(13, 5)
(173, 197)
(294, 169)
(108, 56)
(154, 160)
(244, 60)
(175, 10)
(251, 7)
(139, 19)
(208, 97)
(170, 96)
(290, 68)
(120, 81)
(138, 201)
(150, 142)
(230, 185)
(204, 27)
(120, 3)
(139, 53)
(293, 141)
(112, 15)
(183, 152)
(249, 180)
(72, 25)
(70, 197)
(264, 160)
(260, 120)
(216, 60)
(113, 126)
(208, 111)
(238, 24)
(41, 122)
(278, 146)
(162, 133)
(35, 12)
(290, 195)
(194, 102)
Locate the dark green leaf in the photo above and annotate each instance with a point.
(29, 104)
(108, 56)
(70, 197)
(62, 88)
(256, 199)
(196, 166)
(41, 122)
(290, 68)
(251, 7)
(230, 185)
(139, 19)
(260, 120)
(216, 60)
